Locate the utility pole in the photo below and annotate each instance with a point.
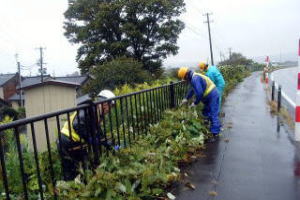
(210, 43)
(20, 84)
(20, 81)
(230, 53)
(221, 56)
(41, 63)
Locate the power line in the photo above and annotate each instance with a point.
(28, 66)
(198, 33)
(194, 6)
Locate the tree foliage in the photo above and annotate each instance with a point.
(146, 30)
(115, 73)
(237, 59)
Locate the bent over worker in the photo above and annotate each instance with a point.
(74, 141)
(216, 76)
(204, 90)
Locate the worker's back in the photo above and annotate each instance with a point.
(215, 75)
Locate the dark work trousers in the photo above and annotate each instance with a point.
(211, 111)
(73, 155)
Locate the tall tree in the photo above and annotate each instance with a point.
(146, 30)
(237, 59)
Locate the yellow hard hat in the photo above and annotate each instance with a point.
(182, 72)
(202, 65)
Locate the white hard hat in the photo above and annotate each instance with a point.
(106, 94)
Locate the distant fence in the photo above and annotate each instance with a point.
(30, 173)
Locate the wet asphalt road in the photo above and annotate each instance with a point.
(254, 160)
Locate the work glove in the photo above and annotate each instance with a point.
(192, 105)
(184, 101)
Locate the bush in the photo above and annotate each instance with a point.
(148, 167)
(10, 112)
(21, 112)
(172, 72)
(233, 75)
(116, 73)
(126, 88)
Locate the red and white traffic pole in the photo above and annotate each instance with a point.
(266, 76)
(297, 113)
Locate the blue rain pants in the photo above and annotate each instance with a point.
(211, 111)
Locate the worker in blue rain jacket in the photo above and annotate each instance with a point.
(75, 141)
(216, 76)
(204, 90)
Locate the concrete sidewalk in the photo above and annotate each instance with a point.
(254, 160)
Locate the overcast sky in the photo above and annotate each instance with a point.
(255, 28)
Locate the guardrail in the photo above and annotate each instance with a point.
(109, 125)
(282, 99)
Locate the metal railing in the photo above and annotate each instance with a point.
(31, 167)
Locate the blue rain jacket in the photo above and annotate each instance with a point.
(201, 86)
(215, 75)
(206, 92)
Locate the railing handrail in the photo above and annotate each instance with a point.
(25, 121)
(21, 122)
(137, 92)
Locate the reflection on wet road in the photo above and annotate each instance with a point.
(256, 158)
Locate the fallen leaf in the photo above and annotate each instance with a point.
(229, 125)
(213, 193)
(194, 157)
(171, 196)
(226, 140)
(214, 182)
(190, 185)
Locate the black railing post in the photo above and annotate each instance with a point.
(21, 162)
(273, 90)
(3, 170)
(172, 95)
(92, 123)
(279, 99)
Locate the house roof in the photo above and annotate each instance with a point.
(29, 81)
(51, 82)
(83, 99)
(74, 79)
(15, 97)
(5, 77)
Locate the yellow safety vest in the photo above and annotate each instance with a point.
(209, 84)
(66, 131)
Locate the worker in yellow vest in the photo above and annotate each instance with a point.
(74, 141)
(204, 90)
